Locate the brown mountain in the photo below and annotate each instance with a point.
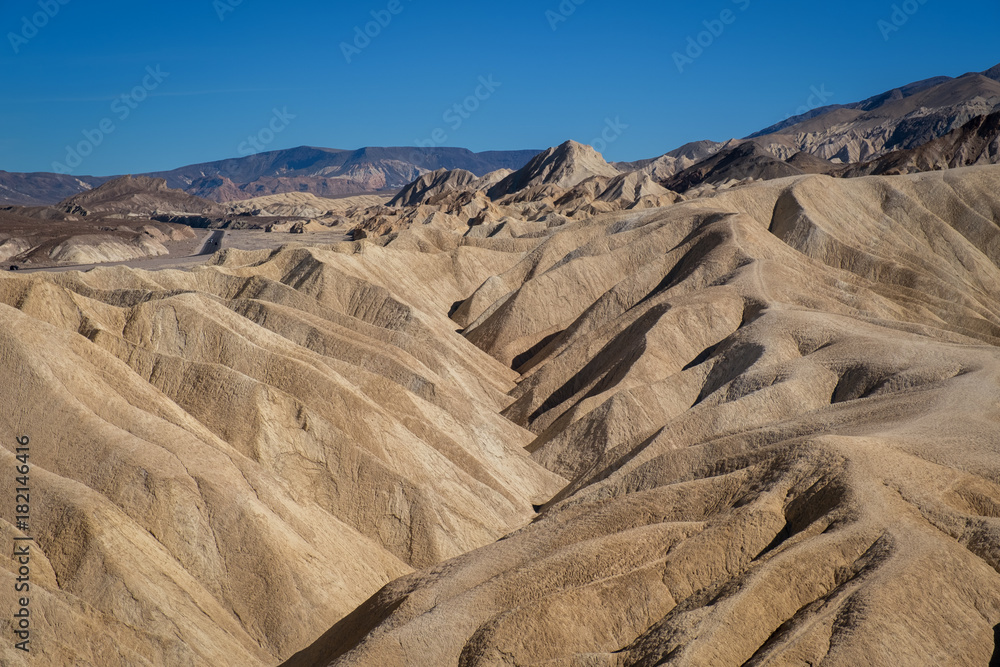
(869, 104)
(328, 172)
(31, 237)
(139, 196)
(976, 142)
(747, 161)
(433, 184)
(563, 166)
(219, 188)
(324, 172)
(903, 118)
(677, 160)
(40, 189)
(810, 164)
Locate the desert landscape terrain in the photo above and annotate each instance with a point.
(738, 404)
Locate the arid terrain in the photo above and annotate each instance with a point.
(28, 240)
(140, 222)
(736, 429)
(732, 406)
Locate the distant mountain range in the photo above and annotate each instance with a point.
(42, 189)
(825, 140)
(938, 123)
(325, 172)
(899, 119)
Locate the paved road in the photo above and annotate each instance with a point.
(211, 245)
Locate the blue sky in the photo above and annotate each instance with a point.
(201, 77)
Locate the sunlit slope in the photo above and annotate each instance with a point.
(226, 461)
(778, 412)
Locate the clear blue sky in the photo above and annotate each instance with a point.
(225, 77)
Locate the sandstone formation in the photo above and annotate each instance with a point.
(229, 460)
(301, 205)
(744, 163)
(677, 160)
(568, 182)
(564, 166)
(433, 184)
(776, 412)
(753, 428)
